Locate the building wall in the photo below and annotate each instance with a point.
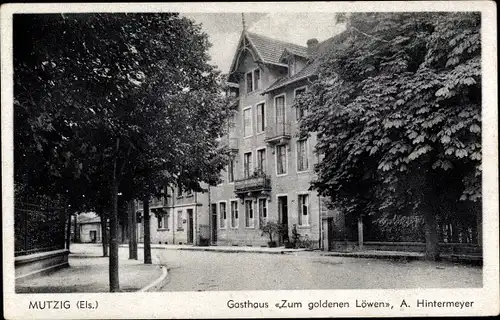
(85, 231)
(174, 215)
(291, 184)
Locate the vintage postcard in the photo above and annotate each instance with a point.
(229, 160)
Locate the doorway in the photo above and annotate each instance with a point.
(93, 236)
(283, 217)
(327, 233)
(214, 222)
(190, 230)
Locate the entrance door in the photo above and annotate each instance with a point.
(283, 217)
(93, 235)
(190, 226)
(214, 223)
(327, 233)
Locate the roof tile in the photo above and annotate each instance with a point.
(271, 49)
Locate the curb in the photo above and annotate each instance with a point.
(155, 283)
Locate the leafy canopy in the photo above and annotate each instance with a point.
(397, 112)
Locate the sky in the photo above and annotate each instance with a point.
(224, 30)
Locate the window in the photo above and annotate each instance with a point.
(247, 122)
(263, 210)
(256, 79)
(302, 159)
(230, 171)
(261, 117)
(261, 160)
(300, 112)
(281, 159)
(179, 220)
(279, 104)
(249, 223)
(160, 221)
(179, 191)
(247, 161)
(252, 79)
(222, 213)
(249, 80)
(291, 65)
(234, 214)
(303, 209)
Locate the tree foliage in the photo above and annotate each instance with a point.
(84, 80)
(113, 103)
(397, 112)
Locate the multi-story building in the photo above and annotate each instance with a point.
(268, 177)
(269, 174)
(177, 218)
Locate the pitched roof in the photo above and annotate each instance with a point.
(268, 50)
(271, 49)
(288, 52)
(309, 70)
(306, 72)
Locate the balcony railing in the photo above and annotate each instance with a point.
(279, 132)
(252, 184)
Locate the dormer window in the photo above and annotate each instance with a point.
(253, 80)
(291, 65)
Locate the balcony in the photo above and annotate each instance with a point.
(231, 143)
(254, 185)
(157, 203)
(153, 203)
(279, 133)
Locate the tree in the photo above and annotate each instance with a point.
(397, 112)
(109, 103)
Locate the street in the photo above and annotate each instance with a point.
(209, 271)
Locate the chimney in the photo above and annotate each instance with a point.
(312, 46)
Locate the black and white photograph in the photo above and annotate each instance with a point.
(245, 160)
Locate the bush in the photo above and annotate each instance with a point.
(271, 228)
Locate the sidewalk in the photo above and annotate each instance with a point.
(228, 249)
(377, 254)
(366, 254)
(89, 272)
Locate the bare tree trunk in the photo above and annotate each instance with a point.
(134, 234)
(431, 236)
(77, 236)
(114, 281)
(68, 232)
(104, 231)
(147, 233)
(130, 220)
